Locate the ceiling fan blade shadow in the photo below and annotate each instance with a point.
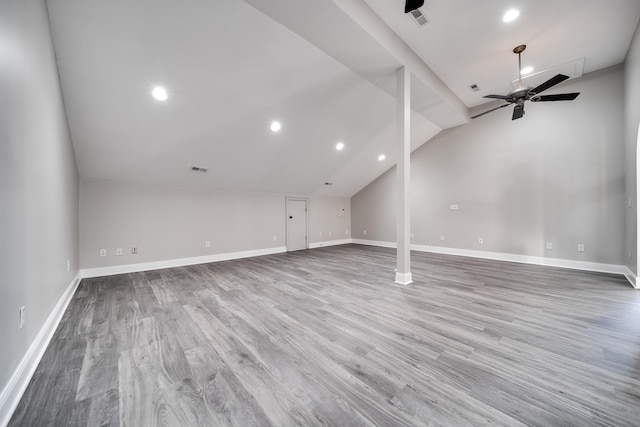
(558, 97)
(487, 112)
(496, 96)
(558, 78)
(518, 112)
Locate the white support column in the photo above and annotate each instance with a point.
(403, 124)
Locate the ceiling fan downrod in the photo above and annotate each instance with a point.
(519, 50)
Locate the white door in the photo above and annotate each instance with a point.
(296, 224)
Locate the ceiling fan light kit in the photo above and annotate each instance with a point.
(522, 93)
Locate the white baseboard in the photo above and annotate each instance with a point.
(181, 262)
(329, 243)
(631, 277)
(403, 278)
(379, 243)
(19, 381)
(525, 259)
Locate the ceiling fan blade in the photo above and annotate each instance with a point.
(559, 78)
(496, 96)
(518, 112)
(411, 5)
(558, 97)
(487, 112)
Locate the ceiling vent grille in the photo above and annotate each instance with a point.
(418, 17)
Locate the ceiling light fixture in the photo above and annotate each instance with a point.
(159, 93)
(381, 157)
(526, 70)
(339, 146)
(276, 126)
(511, 15)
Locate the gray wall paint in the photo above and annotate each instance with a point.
(326, 222)
(557, 175)
(631, 122)
(167, 223)
(38, 181)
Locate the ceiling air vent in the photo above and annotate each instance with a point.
(198, 169)
(474, 87)
(418, 17)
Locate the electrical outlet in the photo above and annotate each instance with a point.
(364, 232)
(580, 247)
(68, 265)
(549, 245)
(346, 232)
(207, 244)
(411, 235)
(275, 238)
(480, 240)
(22, 314)
(119, 251)
(442, 237)
(321, 234)
(329, 234)
(134, 250)
(103, 252)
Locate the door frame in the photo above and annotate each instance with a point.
(306, 219)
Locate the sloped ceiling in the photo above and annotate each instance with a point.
(324, 69)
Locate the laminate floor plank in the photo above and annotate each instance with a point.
(325, 338)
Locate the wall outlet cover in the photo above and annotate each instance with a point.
(22, 314)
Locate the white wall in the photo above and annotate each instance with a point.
(557, 175)
(329, 220)
(169, 223)
(631, 123)
(38, 181)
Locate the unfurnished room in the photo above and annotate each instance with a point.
(319, 213)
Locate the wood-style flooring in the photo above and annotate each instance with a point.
(324, 337)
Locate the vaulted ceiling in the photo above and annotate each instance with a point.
(324, 68)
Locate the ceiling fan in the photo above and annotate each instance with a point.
(521, 94)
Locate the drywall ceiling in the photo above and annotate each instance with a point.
(465, 41)
(324, 69)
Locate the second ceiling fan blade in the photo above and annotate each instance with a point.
(496, 96)
(487, 112)
(558, 97)
(558, 78)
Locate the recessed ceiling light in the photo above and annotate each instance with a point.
(526, 70)
(159, 93)
(381, 157)
(511, 15)
(339, 146)
(276, 126)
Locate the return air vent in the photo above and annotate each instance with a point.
(418, 17)
(198, 169)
